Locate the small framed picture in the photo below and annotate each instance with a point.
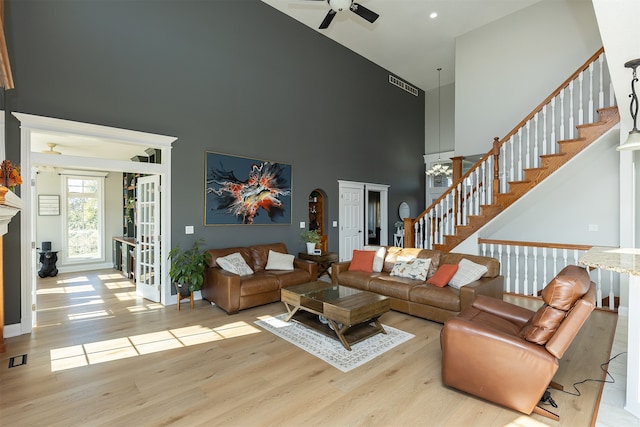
(317, 251)
(48, 205)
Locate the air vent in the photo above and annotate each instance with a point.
(403, 85)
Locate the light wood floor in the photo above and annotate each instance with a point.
(102, 356)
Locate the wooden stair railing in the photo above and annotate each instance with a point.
(538, 146)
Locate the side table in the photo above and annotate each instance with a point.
(323, 260)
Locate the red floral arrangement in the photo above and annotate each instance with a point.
(9, 174)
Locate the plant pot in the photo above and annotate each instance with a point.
(310, 247)
(183, 290)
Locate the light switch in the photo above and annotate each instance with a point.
(302, 225)
(188, 229)
(335, 224)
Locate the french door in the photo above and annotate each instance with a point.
(148, 275)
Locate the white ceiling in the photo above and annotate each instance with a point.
(404, 40)
(84, 146)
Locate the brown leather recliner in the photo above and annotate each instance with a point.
(507, 354)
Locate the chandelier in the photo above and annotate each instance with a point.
(439, 169)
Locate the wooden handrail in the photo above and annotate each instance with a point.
(535, 244)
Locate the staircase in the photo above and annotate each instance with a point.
(553, 133)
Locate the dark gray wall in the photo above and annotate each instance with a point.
(231, 76)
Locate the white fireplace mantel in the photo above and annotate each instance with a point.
(10, 205)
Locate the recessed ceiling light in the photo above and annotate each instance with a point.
(433, 15)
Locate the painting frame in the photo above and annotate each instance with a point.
(241, 190)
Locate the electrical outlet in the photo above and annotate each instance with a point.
(335, 224)
(188, 229)
(593, 227)
(302, 224)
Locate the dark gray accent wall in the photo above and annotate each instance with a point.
(230, 76)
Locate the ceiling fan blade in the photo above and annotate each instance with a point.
(363, 12)
(327, 19)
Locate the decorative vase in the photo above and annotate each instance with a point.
(310, 247)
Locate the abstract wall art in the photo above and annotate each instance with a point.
(239, 190)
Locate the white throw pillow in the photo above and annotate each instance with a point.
(234, 263)
(378, 260)
(416, 269)
(467, 272)
(279, 261)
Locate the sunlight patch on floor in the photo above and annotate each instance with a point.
(126, 296)
(66, 290)
(88, 315)
(124, 284)
(121, 348)
(64, 307)
(76, 279)
(145, 307)
(110, 276)
(525, 421)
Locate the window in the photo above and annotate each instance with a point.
(83, 218)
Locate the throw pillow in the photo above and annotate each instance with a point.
(378, 260)
(362, 261)
(279, 261)
(443, 275)
(417, 269)
(468, 272)
(234, 263)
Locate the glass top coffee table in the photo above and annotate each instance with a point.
(351, 314)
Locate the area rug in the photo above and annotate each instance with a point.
(330, 350)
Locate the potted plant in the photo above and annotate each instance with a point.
(188, 267)
(311, 237)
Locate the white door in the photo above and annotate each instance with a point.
(148, 256)
(351, 218)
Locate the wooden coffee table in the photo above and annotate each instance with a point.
(352, 314)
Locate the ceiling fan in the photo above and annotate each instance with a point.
(340, 5)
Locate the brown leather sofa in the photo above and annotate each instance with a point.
(507, 354)
(416, 297)
(232, 292)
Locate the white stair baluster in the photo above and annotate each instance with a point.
(516, 250)
(562, 134)
(591, 109)
(536, 141)
(601, 82)
(571, 121)
(553, 140)
(580, 106)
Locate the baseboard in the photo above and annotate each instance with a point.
(12, 330)
(84, 267)
(623, 311)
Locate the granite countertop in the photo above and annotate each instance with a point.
(621, 260)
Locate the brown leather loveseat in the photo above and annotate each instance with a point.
(416, 297)
(233, 292)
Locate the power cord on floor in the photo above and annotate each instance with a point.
(548, 400)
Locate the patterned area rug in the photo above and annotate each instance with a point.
(330, 350)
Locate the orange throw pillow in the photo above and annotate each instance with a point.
(362, 261)
(444, 273)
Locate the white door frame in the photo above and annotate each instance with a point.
(363, 187)
(148, 254)
(29, 125)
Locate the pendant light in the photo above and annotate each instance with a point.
(439, 169)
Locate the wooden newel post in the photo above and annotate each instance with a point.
(496, 168)
(409, 241)
(457, 167)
